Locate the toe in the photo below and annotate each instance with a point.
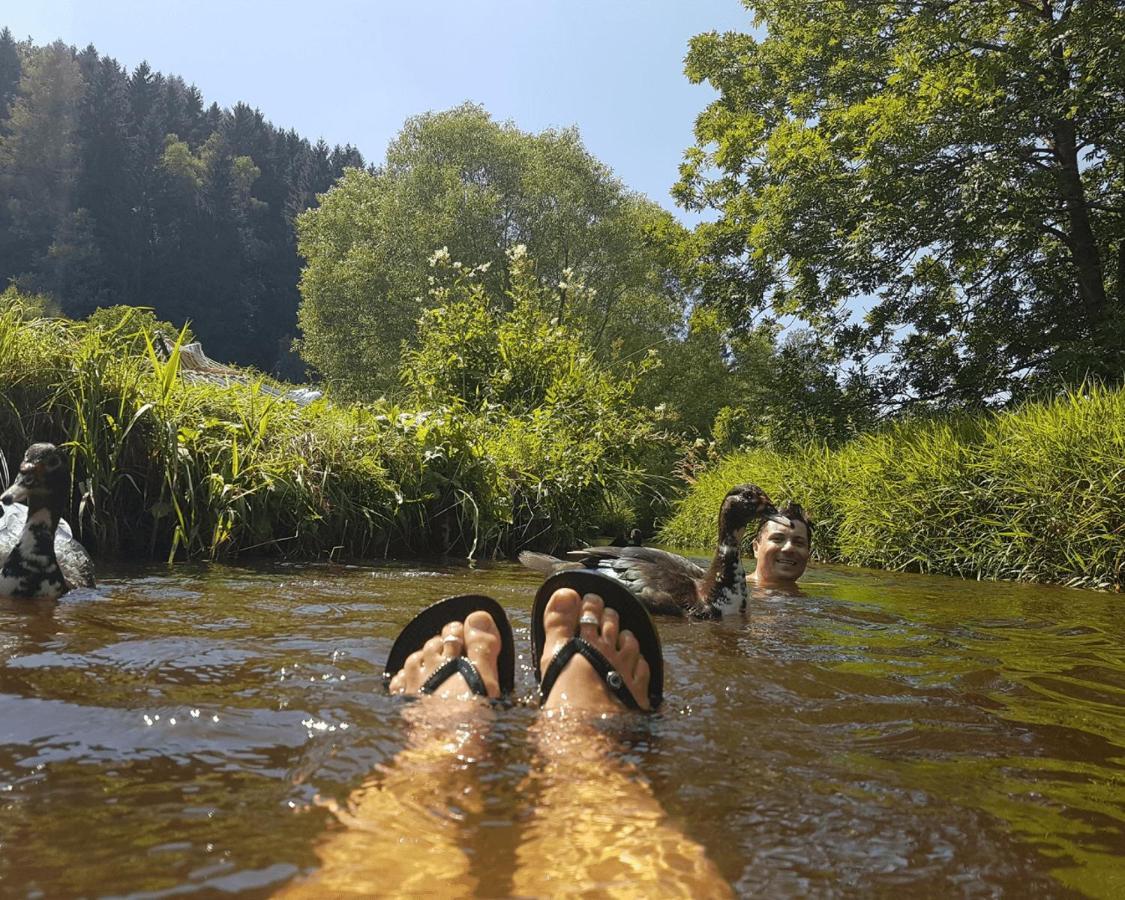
(482, 647)
(560, 621)
(431, 653)
(629, 653)
(591, 619)
(639, 687)
(452, 640)
(481, 633)
(415, 663)
(611, 627)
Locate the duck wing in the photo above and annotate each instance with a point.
(545, 563)
(74, 561)
(664, 582)
(12, 520)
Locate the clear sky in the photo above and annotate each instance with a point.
(351, 72)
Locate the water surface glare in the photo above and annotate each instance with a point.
(179, 730)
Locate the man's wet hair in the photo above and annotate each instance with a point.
(791, 511)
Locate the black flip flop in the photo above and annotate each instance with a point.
(430, 621)
(634, 617)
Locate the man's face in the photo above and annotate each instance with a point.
(781, 550)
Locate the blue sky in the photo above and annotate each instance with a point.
(351, 71)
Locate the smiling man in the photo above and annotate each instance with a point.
(781, 549)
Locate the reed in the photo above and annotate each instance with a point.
(172, 470)
(1036, 493)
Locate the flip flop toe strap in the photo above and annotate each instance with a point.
(452, 667)
(612, 678)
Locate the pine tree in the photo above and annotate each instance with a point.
(10, 68)
(38, 158)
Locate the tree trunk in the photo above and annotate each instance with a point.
(1083, 246)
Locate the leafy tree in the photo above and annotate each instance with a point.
(458, 180)
(568, 446)
(508, 354)
(744, 388)
(957, 165)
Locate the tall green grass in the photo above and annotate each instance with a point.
(176, 470)
(1033, 494)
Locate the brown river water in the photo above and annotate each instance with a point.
(179, 730)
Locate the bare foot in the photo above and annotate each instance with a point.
(477, 638)
(579, 686)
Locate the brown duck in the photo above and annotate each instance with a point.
(669, 583)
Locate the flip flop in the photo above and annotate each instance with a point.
(634, 617)
(430, 621)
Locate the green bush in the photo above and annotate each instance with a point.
(165, 468)
(562, 449)
(1035, 494)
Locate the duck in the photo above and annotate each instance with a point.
(669, 583)
(634, 539)
(41, 557)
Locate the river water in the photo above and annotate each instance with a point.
(180, 730)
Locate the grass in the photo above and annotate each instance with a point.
(1033, 494)
(165, 469)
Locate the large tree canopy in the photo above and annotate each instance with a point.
(956, 166)
(460, 181)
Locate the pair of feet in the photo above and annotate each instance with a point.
(578, 687)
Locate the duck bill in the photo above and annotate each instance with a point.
(18, 492)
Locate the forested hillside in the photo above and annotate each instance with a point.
(129, 188)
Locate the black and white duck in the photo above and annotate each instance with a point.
(41, 558)
(669, 583)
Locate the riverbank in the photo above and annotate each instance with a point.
(1033, 494)
(166, 469)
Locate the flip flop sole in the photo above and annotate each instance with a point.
(634, 617)
(433, 618)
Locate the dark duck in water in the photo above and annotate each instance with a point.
(668, 583)
(41, 558)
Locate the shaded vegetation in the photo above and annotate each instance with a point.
(169, 469)
(1033, 494)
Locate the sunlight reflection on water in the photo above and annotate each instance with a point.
(883, 731)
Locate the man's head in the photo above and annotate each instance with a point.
(782, 546)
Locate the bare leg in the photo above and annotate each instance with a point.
(403, 827)
(597, 829)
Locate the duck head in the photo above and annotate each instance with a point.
(743, 504)
(41, 483)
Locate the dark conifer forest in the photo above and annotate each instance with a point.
(129, 188)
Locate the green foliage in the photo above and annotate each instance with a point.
(171, 469)
(568, 445)
(955, 168)
(121, 188)
(1035, 494)
(458, 180)
(38, 155)
(28, 306)
(130, 327)
(741, 388)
